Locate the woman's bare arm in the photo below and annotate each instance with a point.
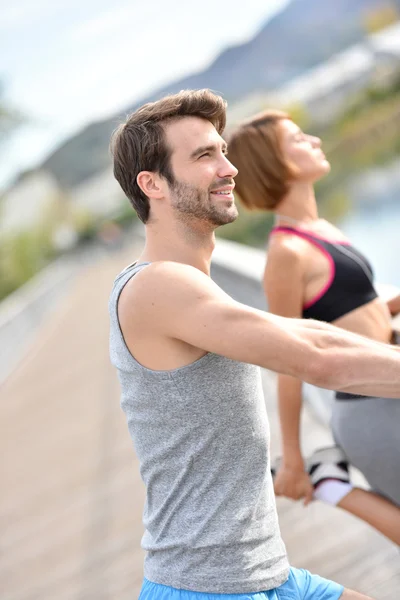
(394, 305)
(283, 287)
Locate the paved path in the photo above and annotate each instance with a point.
(71, 500)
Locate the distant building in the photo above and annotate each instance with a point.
(100, 195)
(24, 204)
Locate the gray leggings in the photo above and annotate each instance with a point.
(368, 431)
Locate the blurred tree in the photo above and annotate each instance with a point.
(382, 17)
(299, 114)
(336, 206)
(252, 227)
(21, 256)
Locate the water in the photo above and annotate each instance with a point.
(374, 223)
(377, 235)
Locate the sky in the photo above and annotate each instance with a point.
(67, 63)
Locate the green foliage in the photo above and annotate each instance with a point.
(84, 223)
(125, 216)
(379, 18)
(21, 256)
(299, 115)
(363, 136)
(250, 228)
(375, 103)
(336, 206)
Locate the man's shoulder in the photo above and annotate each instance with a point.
(163, 285)
(158, 274)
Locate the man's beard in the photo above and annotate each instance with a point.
(193, 203)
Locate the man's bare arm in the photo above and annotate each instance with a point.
(181, 302)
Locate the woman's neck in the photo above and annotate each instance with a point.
(298, 207)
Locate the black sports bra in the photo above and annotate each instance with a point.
(350, 283)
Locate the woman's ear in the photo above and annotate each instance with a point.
(151, 184)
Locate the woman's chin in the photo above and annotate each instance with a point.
(324, 169)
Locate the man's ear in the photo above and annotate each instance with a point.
(151, 184)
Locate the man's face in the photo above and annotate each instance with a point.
(203, 186)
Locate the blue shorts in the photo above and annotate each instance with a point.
(301, 585)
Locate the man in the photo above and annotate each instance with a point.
(185, 353)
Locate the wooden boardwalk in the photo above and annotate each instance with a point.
(72, 497)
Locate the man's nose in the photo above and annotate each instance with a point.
(227, 169)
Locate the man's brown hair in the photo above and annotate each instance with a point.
(139, 144)
(255, 150)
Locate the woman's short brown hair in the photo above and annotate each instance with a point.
(139, 144)
(255, 150)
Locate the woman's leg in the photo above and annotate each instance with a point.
(367, 431)
(375, 510)
(330, 477)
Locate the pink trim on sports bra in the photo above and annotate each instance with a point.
(332, 267)
(315, 235)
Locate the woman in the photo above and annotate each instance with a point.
(313, 271)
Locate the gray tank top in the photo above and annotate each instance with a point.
(201, 435)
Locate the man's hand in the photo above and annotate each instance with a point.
(294, 483)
